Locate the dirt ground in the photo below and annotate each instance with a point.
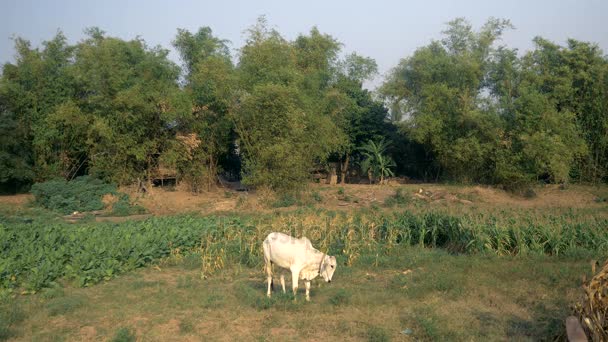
(163, 201)
(171, 200)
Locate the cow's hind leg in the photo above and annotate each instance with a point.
(308, 290)
(295, 275)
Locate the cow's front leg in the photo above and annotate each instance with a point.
(295, 275)
(308, 290)
(283, 282)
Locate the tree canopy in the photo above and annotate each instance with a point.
(463, 108)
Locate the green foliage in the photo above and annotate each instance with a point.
(340, 297)
(317, 196)
(277, 151)
(124, 334)
(123, 207)
(16, 166)
(64, 305)
(377, 334)
(36, 254)
(462, 108)
(81, 194)
(376, 163)
(285, 200)
(529, 128)
(399, 198)
(284, 129)
(132, 92)
(186, 326)
(29, 91)
(211, 87)
(11, 313)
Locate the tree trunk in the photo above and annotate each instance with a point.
(344, 169)
(210, 172)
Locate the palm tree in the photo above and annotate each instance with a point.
(376, 163)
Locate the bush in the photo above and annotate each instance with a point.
(317, 196)
(124, 208)
(63, 305)
(340, 297)
(377, 334)
(124, 335)
(285, 200)
(81, 194)
(397, 199)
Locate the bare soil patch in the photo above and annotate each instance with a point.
(164, 201)
(168, 201)
(17, 200)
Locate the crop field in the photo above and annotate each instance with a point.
(407, 271)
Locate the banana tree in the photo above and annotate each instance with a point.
(375, 162)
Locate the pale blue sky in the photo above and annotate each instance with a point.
(384, 30)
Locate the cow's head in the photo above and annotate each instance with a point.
(328, 268)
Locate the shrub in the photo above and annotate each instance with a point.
(377, 334)
(81, 194)
(124, 208)
(124, 335)
(340, 297)
(397, 199)
(285, 200)
(317, 196)
(63, 305)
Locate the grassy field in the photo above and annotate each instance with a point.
(436, 295)
(408, 270)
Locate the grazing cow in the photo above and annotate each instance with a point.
(298, 256)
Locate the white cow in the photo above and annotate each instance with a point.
(298, 256)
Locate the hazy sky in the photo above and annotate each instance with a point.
(384, 30)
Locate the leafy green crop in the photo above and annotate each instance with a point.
(35, 255)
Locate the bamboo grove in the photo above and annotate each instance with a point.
(464, 108)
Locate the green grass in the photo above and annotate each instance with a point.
(340, 297)
(421, 289)
(285, 200)
(398, 198)
(376, 334)
(509, 274)
(64, 305)
(10, 316)
(124, 335)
